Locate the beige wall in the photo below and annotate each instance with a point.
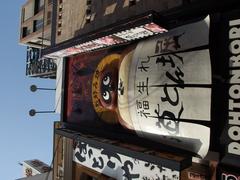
(28, 10)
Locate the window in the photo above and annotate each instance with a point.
(59, 24)
(59, 32)
(60, 8)
(37, 24)
(25, 32)
(60, 16)
(39, 5)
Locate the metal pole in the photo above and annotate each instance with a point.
(46, 89)
(33, 112)
(34, 88)
(44, 9)
(45, 112)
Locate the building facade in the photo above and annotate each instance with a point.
(145, 89)
(35, 28)
(35, 33)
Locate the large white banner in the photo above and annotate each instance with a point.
(169, 87)
(119, 166)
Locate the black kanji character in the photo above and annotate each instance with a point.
(142, 67)
(139, 104)
(82, 150)
(167, 98)
(167, 119)
(142, 86)
(98, 164)
(90, 153)
(178, 79)
(111, 154)
(143, 113)
(145, 105)
(164, 60)
(127, 173)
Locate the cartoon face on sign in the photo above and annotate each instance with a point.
(162, 94)
(108, 86)
(104, 88)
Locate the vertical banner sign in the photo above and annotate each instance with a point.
(169, 88)
(229, 47)
(234, 89)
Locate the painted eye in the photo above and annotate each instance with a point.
(106, 95)
(106, 80)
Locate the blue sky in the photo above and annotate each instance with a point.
(22, 137)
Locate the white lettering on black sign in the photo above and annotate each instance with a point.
(234, 89)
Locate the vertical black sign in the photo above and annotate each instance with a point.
(225, 46)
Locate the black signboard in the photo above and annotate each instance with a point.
(226, 93)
